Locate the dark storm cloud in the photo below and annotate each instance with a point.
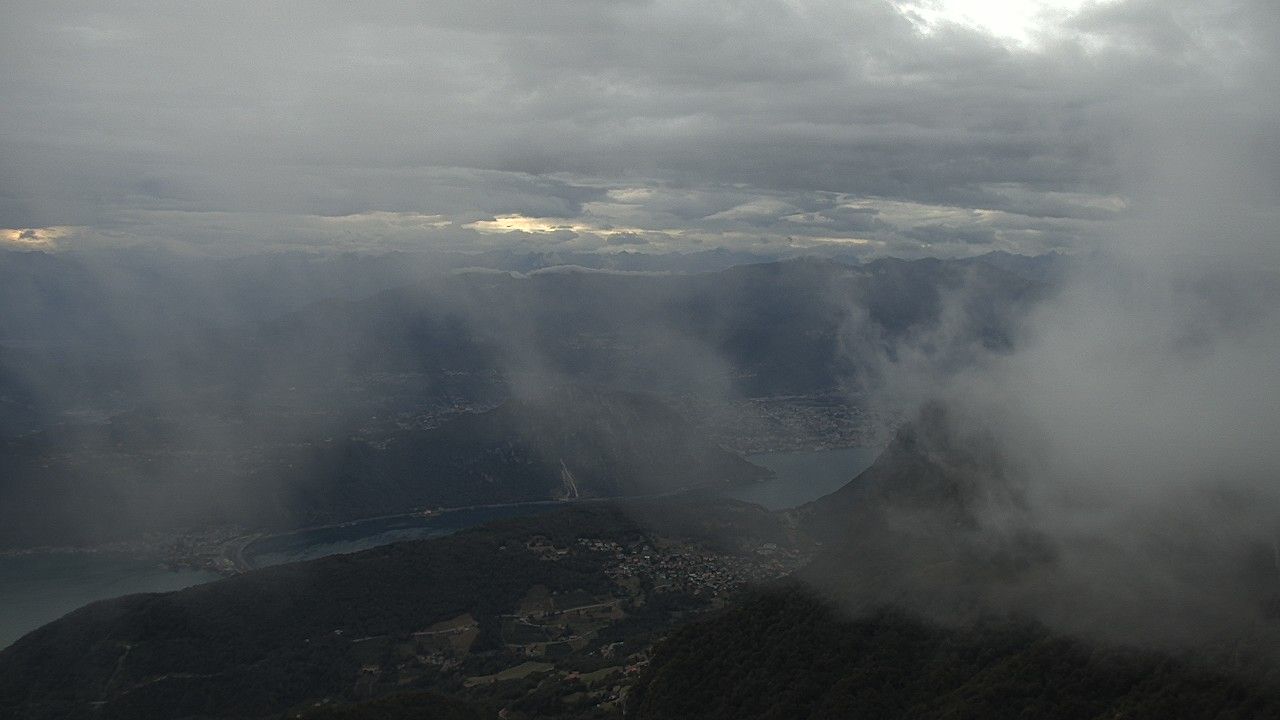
(139, 120)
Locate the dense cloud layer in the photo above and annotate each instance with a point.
(235, 127)
(1134, 427)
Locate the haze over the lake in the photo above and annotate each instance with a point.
(640, 359)
(1139, 136)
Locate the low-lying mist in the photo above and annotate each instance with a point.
(152, 392)
(1132, 458)
(1116, 476)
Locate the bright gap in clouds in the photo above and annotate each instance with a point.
(1016, 20)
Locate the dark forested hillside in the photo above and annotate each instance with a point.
(484, 615)
(408, 706)
(785, 655)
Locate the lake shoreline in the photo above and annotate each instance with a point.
(39, 585)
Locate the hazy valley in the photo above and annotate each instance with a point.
(644, 360)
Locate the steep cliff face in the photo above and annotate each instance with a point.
(938, 521)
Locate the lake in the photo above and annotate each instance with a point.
(364, 534)
(36, 589)
(805, 476)
(799, 477)
(39, 588)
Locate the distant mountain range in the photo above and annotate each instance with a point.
(104, 332)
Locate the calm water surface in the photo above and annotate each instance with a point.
(802, 477)
(36, 589)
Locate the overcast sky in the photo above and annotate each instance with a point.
(899, 128)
